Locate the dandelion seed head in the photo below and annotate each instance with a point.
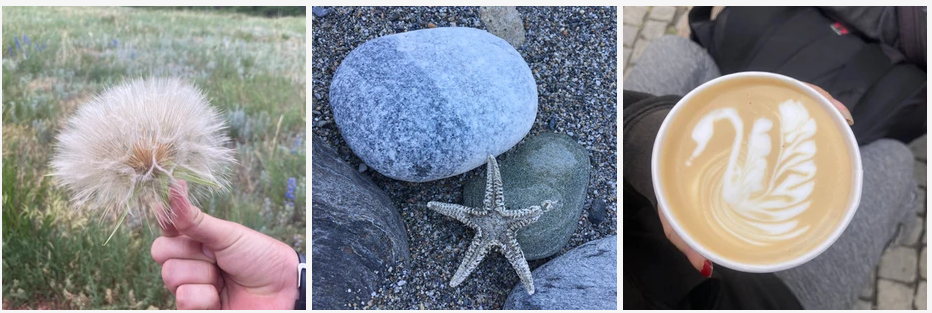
(124, 148)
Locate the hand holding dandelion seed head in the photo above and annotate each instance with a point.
(209, 263)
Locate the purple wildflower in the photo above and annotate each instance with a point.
(292, 185)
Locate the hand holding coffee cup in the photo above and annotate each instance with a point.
(757, 172)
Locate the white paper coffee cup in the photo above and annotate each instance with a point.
(854, 196)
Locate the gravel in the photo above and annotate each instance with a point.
(571, 52)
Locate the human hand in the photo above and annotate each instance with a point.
(838, 105)
(209, 263)
(698, 261)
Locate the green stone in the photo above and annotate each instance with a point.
(548, 166)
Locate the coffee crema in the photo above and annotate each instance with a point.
(755, 170)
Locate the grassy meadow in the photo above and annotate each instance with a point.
(55, 59)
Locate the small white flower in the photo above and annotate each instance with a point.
(123, 149)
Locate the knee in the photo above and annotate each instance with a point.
(888, 163)
(891, 154)
(676, 44)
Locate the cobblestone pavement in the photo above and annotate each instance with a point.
(644, 24)
(899, 282)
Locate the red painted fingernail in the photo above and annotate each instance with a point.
(707, 268)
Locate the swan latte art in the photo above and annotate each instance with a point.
(755, 170)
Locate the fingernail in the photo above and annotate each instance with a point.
(706, 269)
(844, 112)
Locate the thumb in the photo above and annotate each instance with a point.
(214, 233)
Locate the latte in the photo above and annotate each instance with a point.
(756, 171)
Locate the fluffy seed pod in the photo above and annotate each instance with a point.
(123, 149)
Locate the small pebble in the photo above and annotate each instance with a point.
(402, 283)
(319, 12)
(596, 211)
(363, 167)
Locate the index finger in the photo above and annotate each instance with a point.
(838, 105)
(821, 91)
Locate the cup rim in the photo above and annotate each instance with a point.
(853, 200)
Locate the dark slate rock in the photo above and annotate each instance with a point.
(584, 278)
(549, 166)
(597, 211)
(432, 103)
(357, 233)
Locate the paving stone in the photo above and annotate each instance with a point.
(634, 15)
(921, 296)
(662, 13)
(630, 33)
(893, 295)
(861, 305)
(626, 54)
(639, 46)
(919, 147)
(919, 171)
(682, 24)
(653, 30)
(868, 291)
(922, 263)
(899, 263)
(911, 231)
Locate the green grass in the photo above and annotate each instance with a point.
(252, 68)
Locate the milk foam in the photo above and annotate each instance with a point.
(743, 203)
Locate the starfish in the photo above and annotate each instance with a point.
(495, 227)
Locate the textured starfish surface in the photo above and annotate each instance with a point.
(495, 226)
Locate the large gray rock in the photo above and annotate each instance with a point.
(357, 233)
(584, 278)
(432, 103)
(549, 166)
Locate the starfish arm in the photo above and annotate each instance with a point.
(494, 195)
(461, 213)
(515, 256)
(531, 211)
(477, 250)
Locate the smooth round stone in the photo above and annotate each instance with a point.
(357, 234)
(549, 166)
(433, 103)
(596, 211)
(584, 278)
